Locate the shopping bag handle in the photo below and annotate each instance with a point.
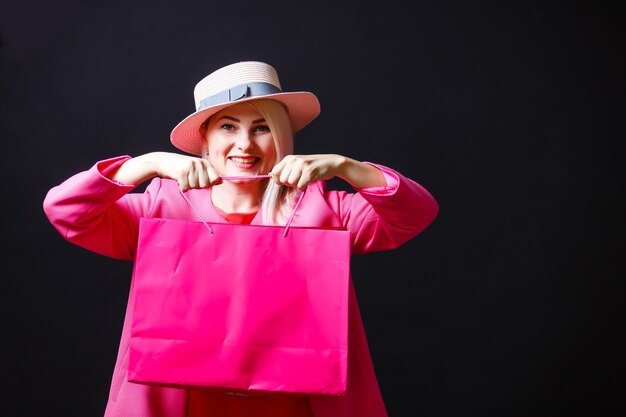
(246, 177)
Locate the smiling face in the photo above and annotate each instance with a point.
(240, 142)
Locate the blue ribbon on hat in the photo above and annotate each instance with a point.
(237, 93)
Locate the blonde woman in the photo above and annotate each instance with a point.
(243, 126)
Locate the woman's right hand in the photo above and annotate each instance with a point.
(188, 171)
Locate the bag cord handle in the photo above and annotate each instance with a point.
(246, 177)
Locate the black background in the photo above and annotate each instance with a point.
(510, 113)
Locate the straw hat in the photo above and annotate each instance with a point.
(237, 83)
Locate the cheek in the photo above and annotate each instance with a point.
(212, 158)
(215, 146)
(269, 149)
(270, 156)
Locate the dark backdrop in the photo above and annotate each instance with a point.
(510, 113)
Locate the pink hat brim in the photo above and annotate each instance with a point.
(302, 107)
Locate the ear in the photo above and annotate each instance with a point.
(205, 149)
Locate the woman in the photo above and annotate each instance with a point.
(243, 126)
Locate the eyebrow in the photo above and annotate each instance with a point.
(234, 119)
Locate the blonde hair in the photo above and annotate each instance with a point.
(278, 200)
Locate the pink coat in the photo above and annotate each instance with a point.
(101, 215)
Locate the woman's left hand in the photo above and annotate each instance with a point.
(300, 170)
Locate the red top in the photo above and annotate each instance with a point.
(203, 404)
(237, 218)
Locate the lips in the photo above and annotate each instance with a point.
(244, 161)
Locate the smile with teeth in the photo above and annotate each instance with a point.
(244, 160)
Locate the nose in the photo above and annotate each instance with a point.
(244, 141)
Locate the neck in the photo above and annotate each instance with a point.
(238, 196)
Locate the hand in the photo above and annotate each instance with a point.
(188, 171)
(300, 170)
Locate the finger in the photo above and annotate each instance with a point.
(212, 177)
(303, 182)
(279, 166)
(278, 169)
(307, 176)
(203, 178)
(275, 173)
(183, 182)
(294, 177)
(192, 176)
(283, 178)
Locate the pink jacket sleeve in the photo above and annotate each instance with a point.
(88, 210)
(383, 218)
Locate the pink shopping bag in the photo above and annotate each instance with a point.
(240, 307)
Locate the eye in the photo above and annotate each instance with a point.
(227, 126)
(262, 129)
